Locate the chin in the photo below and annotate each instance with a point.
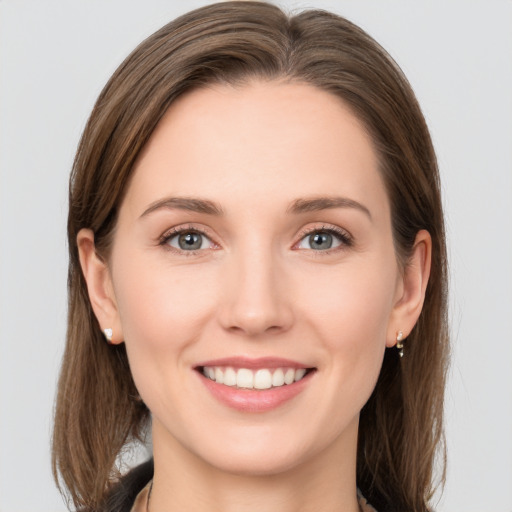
(267, 451)
(255, 463)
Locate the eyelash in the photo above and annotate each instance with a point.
(343, 236)
(168, 235)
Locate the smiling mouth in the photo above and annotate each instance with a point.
(258, 379)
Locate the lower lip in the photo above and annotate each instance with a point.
(252, 400)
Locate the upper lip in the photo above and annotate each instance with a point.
(254, 363)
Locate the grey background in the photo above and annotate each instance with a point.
(55, 56)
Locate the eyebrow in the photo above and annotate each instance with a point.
(302, 205)
(325, 203)
(185, 203)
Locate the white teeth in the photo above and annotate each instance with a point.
(230, 377)
(299, 374)
(244, 378)
(289, 376)
(263, 379)
(278, 377)
(249, 379)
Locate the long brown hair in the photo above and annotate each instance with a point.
(401, 426)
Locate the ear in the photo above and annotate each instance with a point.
(411, 289)
(99, 285)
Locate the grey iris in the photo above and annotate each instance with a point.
(190, 241)
(320, 241)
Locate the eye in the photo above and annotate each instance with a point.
(324, 239)
(188, 240)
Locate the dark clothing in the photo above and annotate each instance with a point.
(123, 494)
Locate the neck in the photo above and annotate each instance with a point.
(184, 481)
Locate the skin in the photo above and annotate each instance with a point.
(256, 288)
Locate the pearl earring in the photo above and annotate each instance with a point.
(399, 343)
(108, 335)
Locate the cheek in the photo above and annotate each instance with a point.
(349, 312)
(351, 304)
(157, 303)
(161, 317)
(163, 312)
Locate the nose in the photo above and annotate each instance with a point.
(256, 298)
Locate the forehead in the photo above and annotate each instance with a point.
(259, 142)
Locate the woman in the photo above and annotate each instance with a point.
(257, 264)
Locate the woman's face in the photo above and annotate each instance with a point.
(254, 243)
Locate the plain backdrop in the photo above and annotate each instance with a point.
(55, 56)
